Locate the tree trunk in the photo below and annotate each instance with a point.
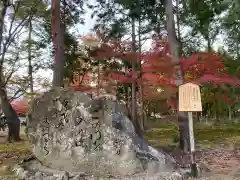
(237, 49)
(154, 113)
(129, 103)
(30, 73)
(174, 46)
(209, 46)
(11, 115)
(229, 112)
(198, 114)
(178, 27)
(134, 97)
(142, 113)
(98, 79)
(3, 10)
(58, 44)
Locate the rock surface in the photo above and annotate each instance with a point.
(71, 132)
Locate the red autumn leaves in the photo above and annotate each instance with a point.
(157, 69)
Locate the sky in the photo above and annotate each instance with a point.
(89, 23)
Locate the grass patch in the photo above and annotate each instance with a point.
(19, 147)
(205, 135)
(22, 146)
(12, 153)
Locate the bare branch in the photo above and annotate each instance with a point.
(83, 76)
(13, 18)
(12, 70)
(12, 34)
(23, 91)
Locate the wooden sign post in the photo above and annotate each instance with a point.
(190, 101)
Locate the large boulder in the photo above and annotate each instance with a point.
(71, 132)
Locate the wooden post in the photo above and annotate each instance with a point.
(192, 146)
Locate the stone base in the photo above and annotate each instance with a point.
(34, 170)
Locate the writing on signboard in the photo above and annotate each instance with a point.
(190, 98)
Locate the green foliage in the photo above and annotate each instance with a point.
(72, 11)
(23, 9)
(231, 26)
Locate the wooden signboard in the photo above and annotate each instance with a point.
(190, 98)
(190, 101)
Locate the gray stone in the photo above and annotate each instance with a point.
(79, 177)
(65, 176)
(39, 175)
(19, 171)
(24, 175)
(51, 178)
(176, 176)
(71, 132)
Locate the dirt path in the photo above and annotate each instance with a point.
(223, 163)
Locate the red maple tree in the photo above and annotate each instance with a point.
(157, 69)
